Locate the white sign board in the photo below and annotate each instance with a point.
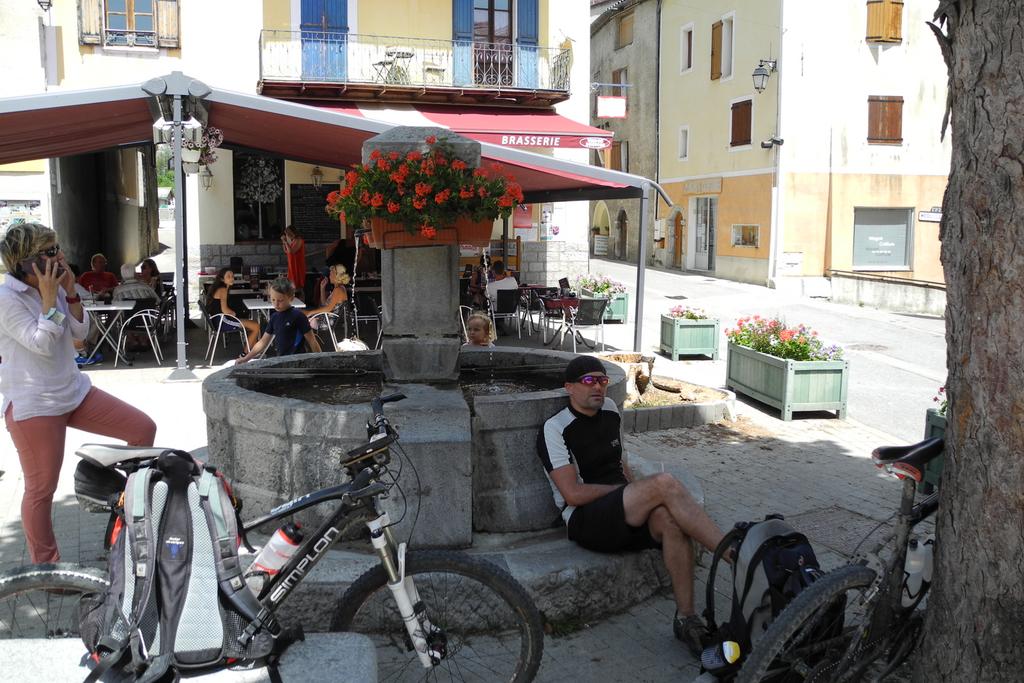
(929, 216)
(611, 107)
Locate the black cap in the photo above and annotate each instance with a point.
(581, 365)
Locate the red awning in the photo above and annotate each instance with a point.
(497, 125)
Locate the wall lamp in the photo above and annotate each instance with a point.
(206, 177)
(317, 176)
(45, 5)
(771, 142)
(765, 68)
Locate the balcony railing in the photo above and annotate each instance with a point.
(313, 56)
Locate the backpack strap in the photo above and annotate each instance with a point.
(734, 534)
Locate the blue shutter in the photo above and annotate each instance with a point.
(462, 35)
(527, 37)
(324, 27)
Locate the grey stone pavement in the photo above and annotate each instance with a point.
(815, 470)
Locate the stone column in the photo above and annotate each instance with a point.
(420, 298)
(420, 284)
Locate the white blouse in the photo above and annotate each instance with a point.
(38, 374)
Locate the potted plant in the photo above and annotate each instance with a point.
(687, 331)
(788, 368)
(424, 198)
(202, 152)
(605, 287)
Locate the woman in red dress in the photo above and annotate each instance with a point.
(295, 250)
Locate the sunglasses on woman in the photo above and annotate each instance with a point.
(51, 252)
(591, 380)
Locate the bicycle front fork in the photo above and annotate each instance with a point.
(412, 610)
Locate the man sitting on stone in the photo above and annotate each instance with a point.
(605, 508)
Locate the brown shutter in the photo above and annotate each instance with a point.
(885, 120)
(716, 50)
(167, 23)
(90, 22)
(885, 21)
(740, 123)
(615, 158)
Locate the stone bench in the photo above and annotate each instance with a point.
(326, 657)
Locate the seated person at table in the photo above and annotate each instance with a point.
(288, 327)
(477, 288)
(131, 288)
(502, 280)
(339, 279)
(98, 280)
(217, 303)
(480, 331)
(82, 346)
(150, 274)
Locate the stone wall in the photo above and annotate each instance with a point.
(270, 255)
(544, 263)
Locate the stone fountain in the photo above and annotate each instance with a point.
(477, 482)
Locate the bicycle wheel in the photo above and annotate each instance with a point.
(490, 630)
(813, 632)
(41, 601)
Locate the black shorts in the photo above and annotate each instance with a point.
(601, 526)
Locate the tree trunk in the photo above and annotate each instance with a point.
(976, 607)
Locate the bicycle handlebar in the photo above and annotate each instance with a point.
(377, 405)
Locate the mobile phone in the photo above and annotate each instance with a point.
(40, 261)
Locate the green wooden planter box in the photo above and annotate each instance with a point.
(685, 337)
(789, 385)
(934, 425)
(617, 310)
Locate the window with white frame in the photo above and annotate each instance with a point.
(686, 48)
(684, 143)
(746, 235)
(727, 46)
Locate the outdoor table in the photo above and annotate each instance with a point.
(108, 320)
(531, 294)
(263, 307)
(561, 304)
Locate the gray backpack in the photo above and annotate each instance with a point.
(177, 600)
(773, 563)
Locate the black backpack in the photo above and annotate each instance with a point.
(177, 600)
(773, 563)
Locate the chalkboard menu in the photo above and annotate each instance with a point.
(308, 216)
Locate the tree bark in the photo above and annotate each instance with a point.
(976, 607)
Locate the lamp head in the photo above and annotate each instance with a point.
(764, 69)
(45, 5)
(206, 177)
(317, 177)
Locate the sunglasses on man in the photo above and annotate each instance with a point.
(591, 380)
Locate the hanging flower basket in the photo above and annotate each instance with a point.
(431, 195)
(388, 235)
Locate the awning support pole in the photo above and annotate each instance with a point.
(638, 316)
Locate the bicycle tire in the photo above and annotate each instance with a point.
(810, 609)
(491, 628)
(41, 601)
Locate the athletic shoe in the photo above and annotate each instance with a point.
(82, 361)
(691, 632)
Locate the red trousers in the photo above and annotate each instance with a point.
(40, 445)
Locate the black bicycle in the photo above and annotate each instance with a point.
(858, 622)
(433, 614)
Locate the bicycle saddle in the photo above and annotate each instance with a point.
(104, 455)
(909, 460)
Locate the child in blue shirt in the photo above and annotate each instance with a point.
(288, 326)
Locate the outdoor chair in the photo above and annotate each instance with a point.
(564, 288)
(219, 326)
(144, 319)
(324, 325)
(168, 312)
(553, 312)
(588, 313)
(507, 308)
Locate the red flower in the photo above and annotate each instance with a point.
(423, 189)
(413, 156)
(419, 203)
(393, 206)
(375, 154)
(431, 139)
(504, 201)
(364, 198)
(479, 173)
(377, 199)
(383, 165)
(393, 156)
(346, 191)
(333, 197)
(442, 196)
(786, 335)
(351, 177)
(483, 192)
(465, 193)
(428, 231)
(459, 165)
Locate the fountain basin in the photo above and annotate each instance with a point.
(477, 473)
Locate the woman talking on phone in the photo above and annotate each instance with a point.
(44, 392)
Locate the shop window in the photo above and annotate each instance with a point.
(746, 235)
(882, 238)
(885, 21)
(885, 120)
(741, 120)
(128, 23)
